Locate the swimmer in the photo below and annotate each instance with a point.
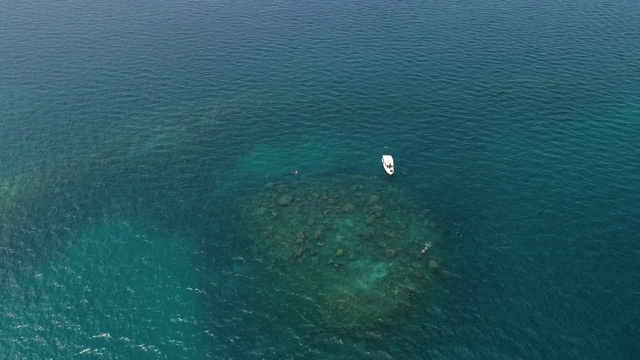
(295, 172)
(427, 245)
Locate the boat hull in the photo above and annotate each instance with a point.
(387, 164)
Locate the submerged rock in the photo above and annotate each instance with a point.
(434, 265)
(390, 253)
(285, 200)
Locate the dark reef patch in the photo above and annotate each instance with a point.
(346, 249)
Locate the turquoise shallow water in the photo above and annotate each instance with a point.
(130, 131)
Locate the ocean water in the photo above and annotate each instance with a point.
(135, 138)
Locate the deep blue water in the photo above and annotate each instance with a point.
(129, 129)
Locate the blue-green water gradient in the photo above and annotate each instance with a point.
(128, 129)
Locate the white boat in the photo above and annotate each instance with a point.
(387, 164)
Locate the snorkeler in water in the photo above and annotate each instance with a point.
(427, 245)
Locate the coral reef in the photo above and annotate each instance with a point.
(46, 201)
(352, 244)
